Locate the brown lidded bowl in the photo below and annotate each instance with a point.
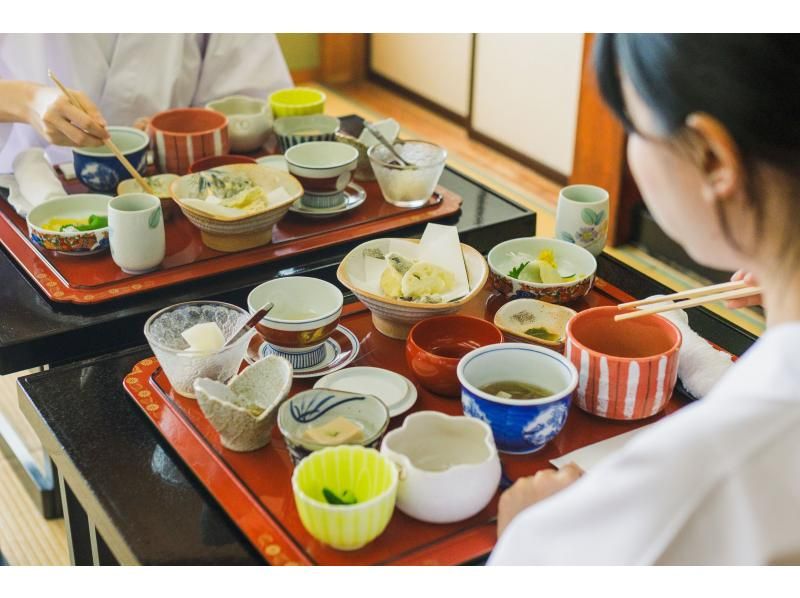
(436, 345)
(306, 312)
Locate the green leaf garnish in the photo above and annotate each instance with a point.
(347, 497)
(515, 272)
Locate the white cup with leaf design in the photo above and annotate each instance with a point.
(136, 232)
(582, 217)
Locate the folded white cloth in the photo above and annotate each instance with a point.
(700, 365)
(34, 181)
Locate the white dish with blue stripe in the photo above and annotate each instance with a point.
(519, 426)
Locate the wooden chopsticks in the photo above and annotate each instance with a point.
(109, 144)
(691, 298)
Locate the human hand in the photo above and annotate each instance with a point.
(142, 123)
(530, 490)
(745, 301)
(59, 122)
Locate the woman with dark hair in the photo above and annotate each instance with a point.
(714, 145)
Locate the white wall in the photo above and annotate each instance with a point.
(526, 93)
(433, 65)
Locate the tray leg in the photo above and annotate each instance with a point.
(39, 482)
(86, 545)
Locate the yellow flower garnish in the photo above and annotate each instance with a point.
(546, 255)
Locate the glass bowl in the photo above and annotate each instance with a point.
(408, 187)
(182, 367)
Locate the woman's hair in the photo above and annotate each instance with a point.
(748, 82)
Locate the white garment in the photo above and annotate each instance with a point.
(130, 75)
(717, 482)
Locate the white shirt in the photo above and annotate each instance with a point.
(130, 75)
(717, 482)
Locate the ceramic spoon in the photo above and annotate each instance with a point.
(249, 324)
(385, 142)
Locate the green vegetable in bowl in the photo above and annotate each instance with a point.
(542, 333)
(95, 222)
(515, 271)
(347, 497)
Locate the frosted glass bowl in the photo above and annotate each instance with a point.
(408, 187)
(182, 367)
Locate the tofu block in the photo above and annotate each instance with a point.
(204, 338)
(337, 431)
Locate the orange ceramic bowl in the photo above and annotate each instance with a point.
(436, 345)
(215, 161)
(181, 136)
(626, 370)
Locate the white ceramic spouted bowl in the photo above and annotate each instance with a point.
(449, 467)
(244, 411)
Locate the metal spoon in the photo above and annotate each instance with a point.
(249, 324)
(385, 142)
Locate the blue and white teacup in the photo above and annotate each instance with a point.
(519, 425)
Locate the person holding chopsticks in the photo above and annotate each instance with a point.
(714, 145)
(126, 77)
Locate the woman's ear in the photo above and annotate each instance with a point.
(719, 159)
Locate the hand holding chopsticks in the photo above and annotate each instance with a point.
(109, 144)
(691, 298)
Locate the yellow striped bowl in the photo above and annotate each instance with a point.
(370, 476)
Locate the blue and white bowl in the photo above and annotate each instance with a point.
(519, 426)
(100, 170)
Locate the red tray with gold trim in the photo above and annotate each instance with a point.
(95, 278)
(255, 488)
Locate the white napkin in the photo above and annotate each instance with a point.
(34, 181)
(700, 365)
(588, 456)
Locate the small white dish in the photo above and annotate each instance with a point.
(354, 197)
(341, 348)
(278, 162)
(397, 392)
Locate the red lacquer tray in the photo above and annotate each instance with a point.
(94, 279)
(255, 488)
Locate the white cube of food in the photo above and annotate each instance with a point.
(204, 338)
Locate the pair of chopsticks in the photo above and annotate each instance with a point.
(109, 144)
(692, 298)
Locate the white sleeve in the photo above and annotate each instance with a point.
(241, 63)
(625, 511)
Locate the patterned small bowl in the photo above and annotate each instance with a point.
(501, 261)
(79, 206)
(519, 426)
(371, 477)
(100, 170)
(294, 130)
(318, 406)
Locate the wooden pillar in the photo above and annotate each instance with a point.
(600, 153)
(342, 57)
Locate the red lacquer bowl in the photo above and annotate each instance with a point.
(215, 161)
(436, 345)
(627, 370)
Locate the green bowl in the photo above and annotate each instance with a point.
(364, 473)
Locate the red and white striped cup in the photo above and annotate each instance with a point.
(182, 136)
(626, 370)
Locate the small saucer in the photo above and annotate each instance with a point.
(397, 392)
(278, 162)
(341, 348)
(354, 197)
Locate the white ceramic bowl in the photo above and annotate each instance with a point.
(249, 121)
(449, 468)
(394, 317)
(306, 312)
(79, 206)
(501, 261)
(518, 426)
(322, 166)
(294, 130)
